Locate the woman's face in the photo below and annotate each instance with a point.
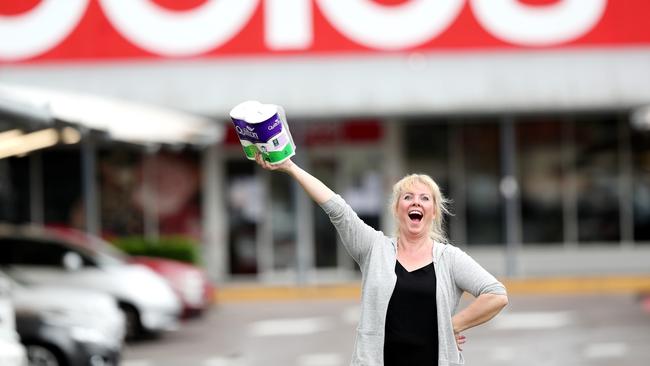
(415, 211)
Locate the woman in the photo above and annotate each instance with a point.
(411, 284)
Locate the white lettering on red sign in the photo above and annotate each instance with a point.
(39, 30)
(288, 24)
(390, 28)
(169, 33)
(514, 22)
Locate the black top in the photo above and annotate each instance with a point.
(411, 320)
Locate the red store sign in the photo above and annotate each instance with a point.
(48, 30)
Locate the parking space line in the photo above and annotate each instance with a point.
(136, 363)
(321, 359)
(289, 326)
(532, 320)
(605, 350)
(224, 361)
(503, 354)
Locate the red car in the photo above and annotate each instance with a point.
(189, 282)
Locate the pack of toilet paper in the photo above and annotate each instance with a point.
(263, 128)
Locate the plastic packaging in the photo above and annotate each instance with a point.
(263, 128)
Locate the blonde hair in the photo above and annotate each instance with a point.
(439, 203)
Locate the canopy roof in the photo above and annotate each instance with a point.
(122, 120)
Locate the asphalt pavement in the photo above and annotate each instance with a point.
(544, 330)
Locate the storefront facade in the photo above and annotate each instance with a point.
(526, 130)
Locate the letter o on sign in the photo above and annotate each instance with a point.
(397, 27)
(186, 33)
(517, 23)
(40, 29)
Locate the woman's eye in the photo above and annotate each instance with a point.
(425, 198)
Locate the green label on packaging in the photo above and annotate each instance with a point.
(277, 156)
(250, 151)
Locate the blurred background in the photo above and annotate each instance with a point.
(532, 115)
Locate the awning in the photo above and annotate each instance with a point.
(122, 120)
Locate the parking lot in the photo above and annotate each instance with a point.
(534, 330)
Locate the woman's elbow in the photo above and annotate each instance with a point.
(501, 300)
(497, 301)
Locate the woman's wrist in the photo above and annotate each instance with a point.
(289, 167)
(456, 325)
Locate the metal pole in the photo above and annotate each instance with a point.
(150, 199)
(7, 196)
(458, 189)
(36, 188)
(393, 169)
(626, 184)
(510, 191)
(215, 218)
(89, 184)
(569, 191)
(304, 216)
(264, 235)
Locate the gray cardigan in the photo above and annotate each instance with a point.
(376, 255)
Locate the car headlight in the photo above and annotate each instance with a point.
(61, 317)
(89, 335)
(78, 325)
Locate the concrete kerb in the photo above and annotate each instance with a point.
(559, 285)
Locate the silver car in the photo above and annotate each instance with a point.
(67, 326)
(12, 353)
(35, 255)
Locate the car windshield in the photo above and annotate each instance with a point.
(109, 255)
(103, 252)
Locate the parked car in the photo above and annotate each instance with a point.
(62, 326)
(190, 283)
(37, 256)
(12, 352)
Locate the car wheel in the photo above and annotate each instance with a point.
(132, 318)
(42, 356)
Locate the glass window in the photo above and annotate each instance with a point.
(597, 179)
(121, 191)
(427, 152)
(484, 213)
(539, 150)
(641, 178)
(62, 195)
(245, 207)
(14, 189)
(362, 187)
(325, 237)
(283, 221)
(35, 253)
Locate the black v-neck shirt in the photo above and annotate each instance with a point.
(411, 320)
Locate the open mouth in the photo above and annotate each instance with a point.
(415, 216)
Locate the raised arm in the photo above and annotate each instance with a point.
(356, 236)
(316, 189)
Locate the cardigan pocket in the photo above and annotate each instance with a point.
(369, 348)
(461, 360)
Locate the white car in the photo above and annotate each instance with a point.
(12, 352)
(33, 254)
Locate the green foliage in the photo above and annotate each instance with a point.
(172, 247)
